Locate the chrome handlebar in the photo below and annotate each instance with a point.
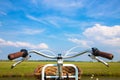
(94, 53)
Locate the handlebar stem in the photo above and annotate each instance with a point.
(59, 64)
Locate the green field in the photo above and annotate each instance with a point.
(88, 68)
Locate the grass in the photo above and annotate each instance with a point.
(88, 68)
(99, 69)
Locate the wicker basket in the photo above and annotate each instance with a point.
(51, 71)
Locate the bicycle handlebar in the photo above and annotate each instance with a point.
(96, 52)
(23, 53)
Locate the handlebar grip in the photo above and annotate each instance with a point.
(96, 52)
(22, 53)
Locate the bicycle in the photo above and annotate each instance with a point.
(59, 76)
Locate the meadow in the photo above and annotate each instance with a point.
(26, 69)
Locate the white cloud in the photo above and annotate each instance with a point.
(27, 31)
(65, 7)
(58, 22)
(103, 9)
(36, 19)
(104, 31)
(54, 23)
(23, 44)
(45, 20)
(43, 45)
(83, 43)
(62, 4)
(32, 31)
(104, 34)
(99, 35)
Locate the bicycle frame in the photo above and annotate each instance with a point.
(59, 64)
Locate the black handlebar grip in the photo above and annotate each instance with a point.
(22, 53)
(96, 52)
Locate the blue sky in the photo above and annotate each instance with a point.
(59, 25)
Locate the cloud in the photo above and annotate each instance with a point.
(92, 8)
(58, 21)
(36, 19)
(43, 45)
(63, 4)
(83, 43)
(98, 35)
(32, 31)
(98, 8)
(23, 44)
(54, 23)
(45, 20)
(104, 34)
(63, 7)
(23, 31)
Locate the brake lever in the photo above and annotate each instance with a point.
(18, 62)
(99, 60)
